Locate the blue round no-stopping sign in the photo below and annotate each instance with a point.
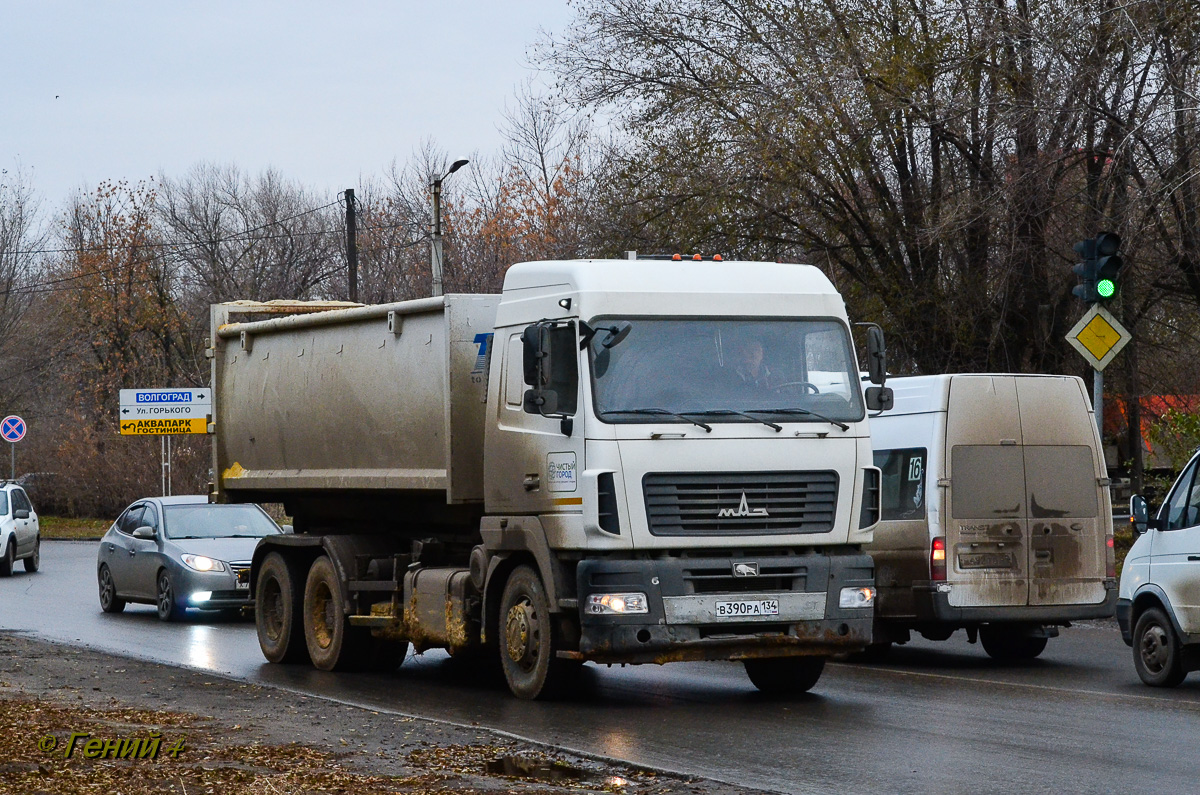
(12, 428)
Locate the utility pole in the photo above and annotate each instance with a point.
(352, 245)
(436, 252)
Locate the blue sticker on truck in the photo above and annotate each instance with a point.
(484, 342)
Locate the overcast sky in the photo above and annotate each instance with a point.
(322, 91)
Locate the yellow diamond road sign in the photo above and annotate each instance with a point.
(1098, 336)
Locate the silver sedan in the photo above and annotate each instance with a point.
(180, 552)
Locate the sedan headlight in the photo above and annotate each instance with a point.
(202, 563)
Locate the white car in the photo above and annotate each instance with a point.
(20, 536)
(1159, 605)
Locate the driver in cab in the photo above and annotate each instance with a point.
(746, 362)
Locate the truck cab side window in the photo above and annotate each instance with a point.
(1182, 508)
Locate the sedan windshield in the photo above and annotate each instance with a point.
(217, 521)
(709, 370)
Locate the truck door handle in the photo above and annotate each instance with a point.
(532, 482)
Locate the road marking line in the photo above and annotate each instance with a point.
(1051, 688)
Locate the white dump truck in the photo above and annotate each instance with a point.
(620, 461)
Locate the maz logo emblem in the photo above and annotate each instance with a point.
(743, 509)
(745, 570)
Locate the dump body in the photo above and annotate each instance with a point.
(387, 399)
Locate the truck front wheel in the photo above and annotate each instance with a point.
(785, 676)
(528, 642)
(278, 611)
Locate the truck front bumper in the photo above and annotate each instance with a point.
(686, 599)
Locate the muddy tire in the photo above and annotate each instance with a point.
(279, 610)
(785, 676)
(166, 602)
(1156, 654)
(1010, 644)
(109, 601)
(333, 645)
(34, 561)
(528, 640)
(9, 559)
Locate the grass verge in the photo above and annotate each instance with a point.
(60, 527)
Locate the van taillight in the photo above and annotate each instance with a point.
(937, 559)
(1110, 556)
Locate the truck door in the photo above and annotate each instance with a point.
(535, 467)
(987, 534)
(1067, 506)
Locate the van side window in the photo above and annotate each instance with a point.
(903, 495)
(1181, 508)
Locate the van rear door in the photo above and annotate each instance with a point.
(987, 534)
(1068, 519)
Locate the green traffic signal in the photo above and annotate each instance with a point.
(1106, 288)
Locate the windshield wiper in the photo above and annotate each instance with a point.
(841, 425)
(727, 412)
(684, 417)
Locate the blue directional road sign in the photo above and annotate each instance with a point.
(12, 428)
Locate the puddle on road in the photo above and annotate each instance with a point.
(517, 766)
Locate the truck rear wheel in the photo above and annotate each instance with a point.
(278, 610)
(528, 639)
(1010, 644)
(785, 676)
(330, 639)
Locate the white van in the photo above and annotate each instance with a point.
(995, 512)
(1159, 605)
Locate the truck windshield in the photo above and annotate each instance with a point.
(717, 370)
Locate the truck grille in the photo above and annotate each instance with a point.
(716, 576)
(745, 503)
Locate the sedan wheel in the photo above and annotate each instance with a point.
(6, 562)
(168, 609)
(109, 601)
(34, 561)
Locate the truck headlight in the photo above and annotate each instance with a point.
(202, 563)
(617, 604)
(857, 597)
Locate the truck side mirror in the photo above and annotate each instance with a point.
(1139, 514)
(876, 356)
(550, 359)
(880, 398)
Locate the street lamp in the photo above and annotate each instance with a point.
(437, 225)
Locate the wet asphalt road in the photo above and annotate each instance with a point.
(937, 717)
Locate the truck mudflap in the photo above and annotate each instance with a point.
(722, 608)
(932, 602)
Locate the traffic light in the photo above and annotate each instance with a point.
(1100, 271)
(1108, 266)
(1086, 271)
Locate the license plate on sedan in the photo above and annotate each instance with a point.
(747, 607)
(243, 586)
